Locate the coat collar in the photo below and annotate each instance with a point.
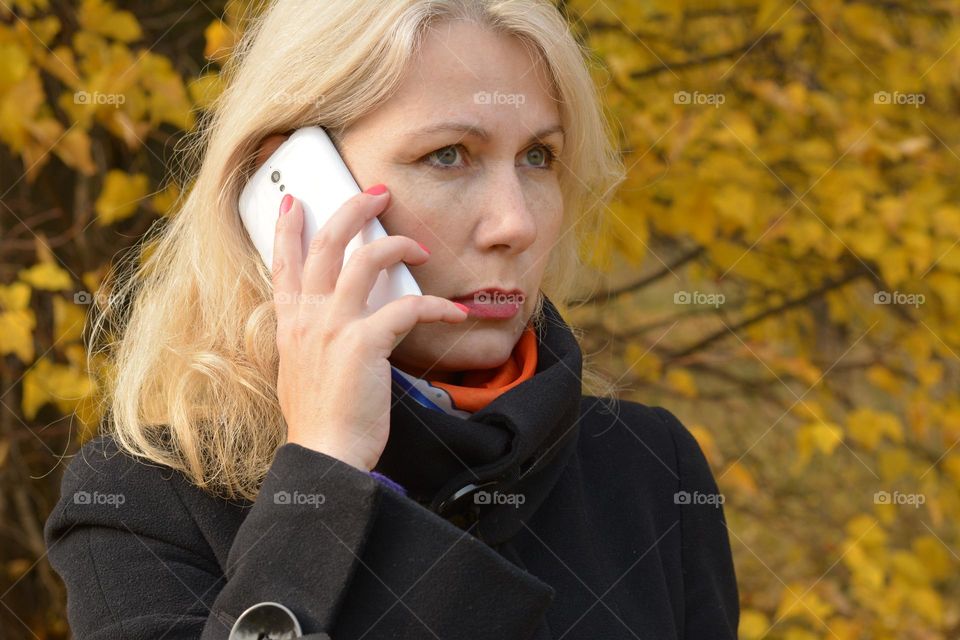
(496, 466)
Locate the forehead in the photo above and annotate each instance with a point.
(464, 69)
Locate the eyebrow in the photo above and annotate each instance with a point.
(479, 132)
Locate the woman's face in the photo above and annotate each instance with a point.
(464, 148)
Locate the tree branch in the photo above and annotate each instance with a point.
(605, 296)
(827, 286)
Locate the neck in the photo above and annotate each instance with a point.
(451, 377)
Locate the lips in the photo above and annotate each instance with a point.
(492, 303)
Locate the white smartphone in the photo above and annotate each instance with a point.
(308, 166)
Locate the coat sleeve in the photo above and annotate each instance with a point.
(347, 555)
(711, 601)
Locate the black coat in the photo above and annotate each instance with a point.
(545, 515)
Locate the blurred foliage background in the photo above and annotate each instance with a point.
(780, 269)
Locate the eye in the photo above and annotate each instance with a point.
(541, 156)
(445, 157)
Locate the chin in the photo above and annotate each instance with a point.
(463, 347)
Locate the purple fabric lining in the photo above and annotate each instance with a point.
(388, 482)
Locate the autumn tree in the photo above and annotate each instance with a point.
(780, 269)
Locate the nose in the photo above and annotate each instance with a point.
(507, 221)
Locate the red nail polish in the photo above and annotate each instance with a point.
(376, 189)
(286, 203)
(462, 307)
(424, 248)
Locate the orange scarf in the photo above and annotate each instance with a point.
(477, 388)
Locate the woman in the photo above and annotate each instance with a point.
(280, 460)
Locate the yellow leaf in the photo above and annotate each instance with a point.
(682, 382)
(68, 320)
(48, 382)
(46, 276)
(753, 624)
(16, 333)
(74, 150)
(894, 268)
(14, 64)
(867, 427)
(101, 17)
(908, 568)
(42, 30)
(167, 96)
(797, 601)
(164, 201)
(629, 228)
(868, 23)
(704, 438)
(642, 362)
(769, 15)
(739, 477)
(816, 436)
(934, 556)
(884, 379)
(867, 572)
(15, 297)
(92, 281)
(951, 466)
(735, 205)
(866, 531)
(220, 40)
(930, 372)
(894, 463)
(843, 629)
(121, 194)
(868, 240)
(61, 64)
(205, 89)
(927, 603)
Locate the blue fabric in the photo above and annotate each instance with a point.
(388, 482)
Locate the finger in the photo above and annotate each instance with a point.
(364, 266)
(327, 247)
(285, 271)
(394, 320)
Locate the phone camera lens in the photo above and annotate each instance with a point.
(275, 176)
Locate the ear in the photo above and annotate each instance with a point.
(268, 146)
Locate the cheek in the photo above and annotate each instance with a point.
(547, 202)
(428, 214)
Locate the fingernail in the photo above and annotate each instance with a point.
(424, 248)
(376, 189)
(286, 203)
(462, 307)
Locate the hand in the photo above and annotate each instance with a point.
(334, 379)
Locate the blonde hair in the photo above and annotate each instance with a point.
(193, 360)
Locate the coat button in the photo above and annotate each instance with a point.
(266, 621)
